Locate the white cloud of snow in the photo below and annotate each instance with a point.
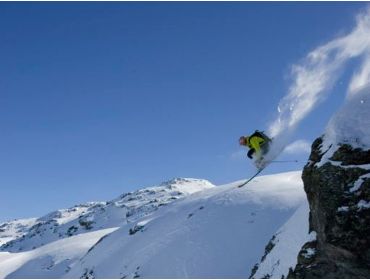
(350, 124)
(299, 146)
(314, 77)
(361, 79)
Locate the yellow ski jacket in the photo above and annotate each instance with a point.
(254, 142)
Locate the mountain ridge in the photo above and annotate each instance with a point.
(89, 216)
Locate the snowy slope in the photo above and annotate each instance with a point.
(100, 215)
(217, 233)
(50, 261)
(202, 232)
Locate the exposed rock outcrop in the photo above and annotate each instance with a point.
(338, 191)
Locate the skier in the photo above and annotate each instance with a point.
(258, 144)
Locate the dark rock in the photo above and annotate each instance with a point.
(254, 270)
(136, 229)
(268, 249)
(88, 274)
(342, 248)
(72, 230)
(86, 224)
(350, 156)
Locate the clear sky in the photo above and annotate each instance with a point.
(97, 99)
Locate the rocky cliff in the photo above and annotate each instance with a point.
(337, 182)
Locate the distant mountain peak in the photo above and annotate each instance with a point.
(181, 181)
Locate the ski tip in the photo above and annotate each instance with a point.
(251, 178)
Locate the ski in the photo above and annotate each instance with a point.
(261, 169)
(251, 178)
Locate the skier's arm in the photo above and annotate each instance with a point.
(250, 153)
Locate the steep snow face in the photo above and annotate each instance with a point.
(217, 233)
(281, 251)
(98, 215)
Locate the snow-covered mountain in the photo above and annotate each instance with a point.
(184, 228)
(15, 229)
(93, 216)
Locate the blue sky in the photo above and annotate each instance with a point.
(102, 98)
